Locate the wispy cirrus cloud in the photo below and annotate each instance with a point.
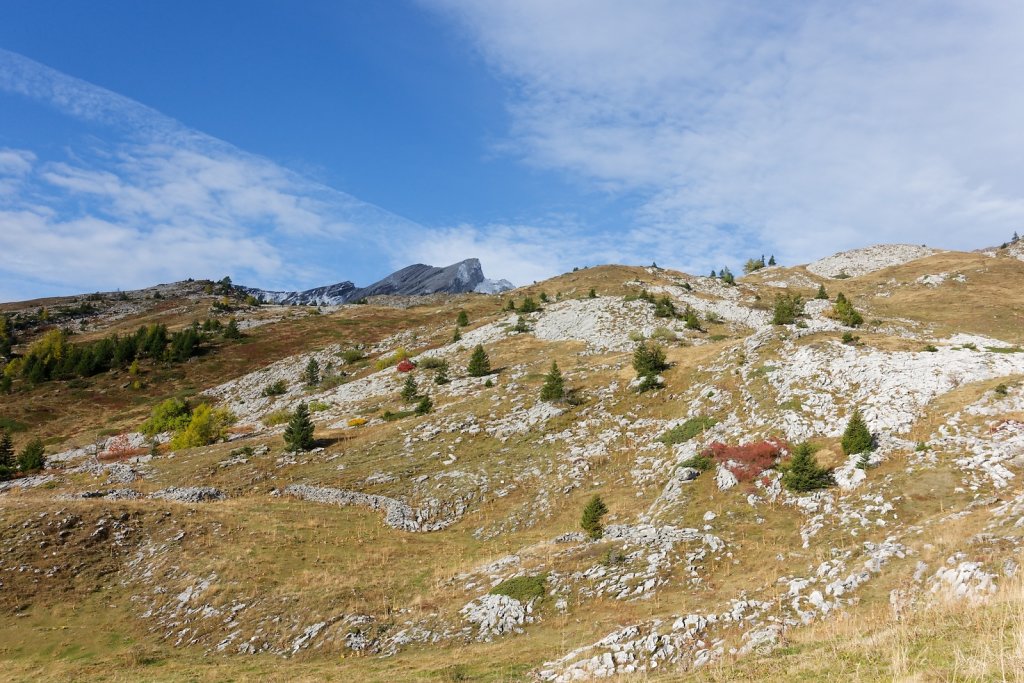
(147, 199)
(800, 128)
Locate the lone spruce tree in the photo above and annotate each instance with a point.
(554, 385)
(441, 377)
(857, 437)
(32, 456)
(649, 359)
(479, 363)
(311, 375)
(410, 391)
(692, 321)
(232, 331)
(424, 406)
(591, 520)
(298, 435)
(462, 320)
(844, 312)
(804, 473)
(6, 451)
(457, 336)
(822, 294)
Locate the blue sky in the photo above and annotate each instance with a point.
(297, 144)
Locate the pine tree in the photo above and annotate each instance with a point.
(32, 456)
(298, 435)
(864, 461)
(232, 331)
(664, 308)
(857, 438)
(649, 359)
(822, 294)
(311, 375)
(771, 261)
(844, 312)
(727, 277)
(424, 406)
(592, 294)
(591, 519)
(543, 297)
(479, 363)
(520, 325)
(6, 451)
(804, 473)
(442, 373)
(529, 305)
(713, 273)
(510, 306)
(788, 307)
(457, 336)
(554, 385)
(410, 391)
(462, 320)
(692, 321)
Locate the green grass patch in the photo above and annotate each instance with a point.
(522, 588)
(686, 431)
(10, 425)
(1004, 349)
(278, 417)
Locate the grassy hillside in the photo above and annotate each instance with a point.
(376, 553)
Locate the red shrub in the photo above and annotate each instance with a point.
(746, 461)
(120, 448)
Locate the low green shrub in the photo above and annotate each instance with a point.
(699, 462)
(351, 356)
(277, 417)
(664, 334)
(278, 388)
(686, 431)
(522, 588)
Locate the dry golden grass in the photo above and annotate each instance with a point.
(325, 560)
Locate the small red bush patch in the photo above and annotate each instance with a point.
(747, 461)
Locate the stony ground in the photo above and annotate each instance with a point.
(376, 553)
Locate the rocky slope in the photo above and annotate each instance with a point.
(447, 545)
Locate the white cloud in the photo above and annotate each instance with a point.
(160, 202)
(519, 253)
(799, 128)
(16, 162)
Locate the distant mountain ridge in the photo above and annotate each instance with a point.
(415, 280)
